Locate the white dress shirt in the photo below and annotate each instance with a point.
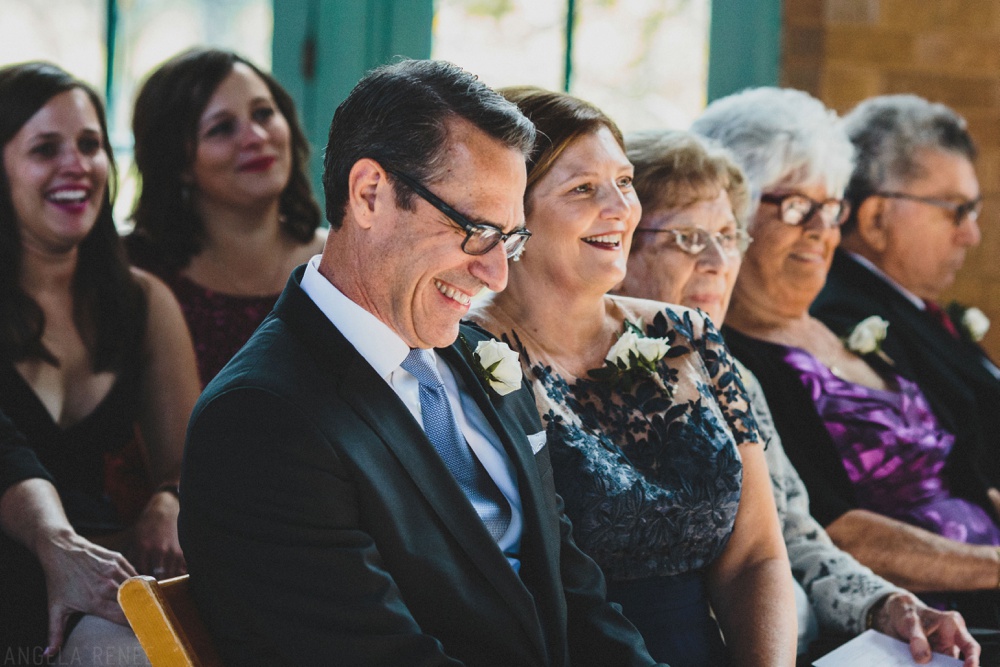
(384, 350)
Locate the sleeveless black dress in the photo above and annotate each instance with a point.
(74, 458)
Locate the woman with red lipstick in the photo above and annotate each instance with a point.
(653, 446)
(89, 348)
(225, 211)
(885, 477)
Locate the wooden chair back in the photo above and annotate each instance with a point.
(165, 620)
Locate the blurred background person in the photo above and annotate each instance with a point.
(687, 250)
(915, 203)
(225, 210)
(90, 348)
(658, 458)
(882, 473)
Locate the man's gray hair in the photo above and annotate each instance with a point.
(780, 136)
(889, 132)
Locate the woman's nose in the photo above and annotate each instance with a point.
(74, 160)
(616, 204)
(714, 257)
(252, 132)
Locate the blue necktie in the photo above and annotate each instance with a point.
(443, 432)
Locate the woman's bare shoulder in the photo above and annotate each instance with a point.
(159, 297)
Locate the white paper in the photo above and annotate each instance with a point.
(873, 649)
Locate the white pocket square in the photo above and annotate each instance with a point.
(537, 441)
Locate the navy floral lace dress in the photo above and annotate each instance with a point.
(649, 470)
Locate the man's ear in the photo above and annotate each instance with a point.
(872, 228)
(367, 189)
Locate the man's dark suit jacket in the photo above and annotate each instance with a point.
(321, 527)
(963, 394)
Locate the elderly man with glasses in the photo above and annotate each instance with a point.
(367, 482)
(915, 211)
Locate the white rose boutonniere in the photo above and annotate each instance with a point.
(632, 352)
(498, 365)
(973, 321)
(867, 336)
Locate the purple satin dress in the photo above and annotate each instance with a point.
(894, 452)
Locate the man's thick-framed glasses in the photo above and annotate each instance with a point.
(695, 240)
(797, 209)
(480, 238)
(969, 209)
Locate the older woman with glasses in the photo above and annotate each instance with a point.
(688, 250)
(879, 467)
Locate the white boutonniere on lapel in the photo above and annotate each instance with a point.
(633, 355)
(972, 321)
(496, 364)
(867, 336)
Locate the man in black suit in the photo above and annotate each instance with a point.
(915, 205)
(320, 521)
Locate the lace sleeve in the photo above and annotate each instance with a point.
(724, 383)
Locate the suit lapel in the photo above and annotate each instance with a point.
(932, 336)
(515, 444)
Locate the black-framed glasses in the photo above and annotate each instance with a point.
(695, 240)
(968, 209)
(798, 209)
(480, 237)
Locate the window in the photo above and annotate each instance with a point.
(27, 32)
(505, 42)
(643, 62)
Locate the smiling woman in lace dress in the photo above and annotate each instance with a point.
(655, 452)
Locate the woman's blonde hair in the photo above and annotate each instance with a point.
(675, 169)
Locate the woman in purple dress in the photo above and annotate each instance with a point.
(225, 211)
(884, 476)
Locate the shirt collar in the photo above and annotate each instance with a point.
(380, 346)
(868, 264)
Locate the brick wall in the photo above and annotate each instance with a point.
(948, 51)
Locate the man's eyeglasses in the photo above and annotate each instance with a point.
(797, 209)
(968, 209)
(480, 238)
(695, 240)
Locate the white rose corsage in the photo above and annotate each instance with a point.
(497, 365)
(633, 353)
(973, 322)
(867, 335)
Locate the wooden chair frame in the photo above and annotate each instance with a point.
(167, 623)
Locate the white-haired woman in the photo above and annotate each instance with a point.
(881, 471)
